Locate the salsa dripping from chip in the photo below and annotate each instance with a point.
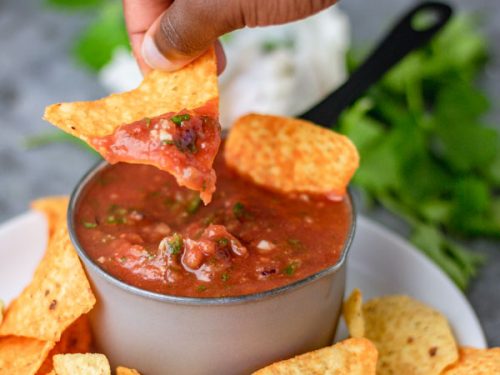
(170, 121)
(183, 143)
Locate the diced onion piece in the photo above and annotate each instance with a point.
(265, 246)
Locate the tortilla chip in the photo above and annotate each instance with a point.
(126, 371)
(159, 93)
(126, 127)
(22, 355)
(291, 155)
(352, 311)
(411, 338)
(76, 339)
(81, 364)
(476, 362)
(54, 208)
(1, 311)
(351, 356)
(58, 294)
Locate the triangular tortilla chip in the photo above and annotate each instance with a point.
(352, 310)
(81, 364)
(476, 362)
(54, 208)
(160, 92)
(22, 355)
(291, 155)
(77, 338)
(148, 125)
(126, 371)
(411, 338)
(352, 356)
(58, 294)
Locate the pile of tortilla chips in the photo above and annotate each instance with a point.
(49, 318)
(414, 339)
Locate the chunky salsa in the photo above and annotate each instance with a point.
(183, 144)
(141, 227)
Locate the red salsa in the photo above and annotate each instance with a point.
(183, 144)
(141, 227)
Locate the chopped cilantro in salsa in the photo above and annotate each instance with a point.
(89, 225)
(175, 244)
(223, 242)
(290, 269)
(178, 119)
(193, 205)
(239, 210)
(116, 219)
(295, 244)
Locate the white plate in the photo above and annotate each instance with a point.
(380, 263)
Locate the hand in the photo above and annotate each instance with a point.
(167, 34)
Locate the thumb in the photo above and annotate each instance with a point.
(184, 31)
(189, 27)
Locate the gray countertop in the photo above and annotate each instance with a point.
(36, 70)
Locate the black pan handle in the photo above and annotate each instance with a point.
(414, 30)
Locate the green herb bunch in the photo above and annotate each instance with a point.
(95, 46)
(426, 153)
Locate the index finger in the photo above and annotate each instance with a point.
(139, 16)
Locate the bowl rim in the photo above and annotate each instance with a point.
(230, 300)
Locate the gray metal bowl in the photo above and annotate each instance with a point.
(160, 334)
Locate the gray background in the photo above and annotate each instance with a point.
(36, 70)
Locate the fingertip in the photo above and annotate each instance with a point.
(155, 59)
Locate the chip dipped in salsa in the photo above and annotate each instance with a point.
(183, 143)
(138, 225)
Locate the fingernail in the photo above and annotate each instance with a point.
(154, 57)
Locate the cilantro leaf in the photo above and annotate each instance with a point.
(74, 4)
(439, 249)
(96, 45)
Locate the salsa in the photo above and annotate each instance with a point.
(183, 144)
(141, 227)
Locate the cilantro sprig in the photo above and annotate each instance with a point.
(427, 154)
